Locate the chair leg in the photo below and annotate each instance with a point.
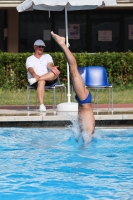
(65, 93)
(64, 96)
(97, 99)
(28, 98)
(61, 93)
(54, 99)
(36, 100)
(112, 101)
(108, 99)
(72, 98)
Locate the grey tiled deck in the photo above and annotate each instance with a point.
(19, 116)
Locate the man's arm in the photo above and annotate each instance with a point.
(50, 65)
(30, 69)
(32, 72)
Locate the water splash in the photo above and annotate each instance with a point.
(82, 137)
(87, 137)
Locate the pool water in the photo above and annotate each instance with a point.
(44, 163)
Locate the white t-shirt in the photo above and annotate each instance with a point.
(40, 65)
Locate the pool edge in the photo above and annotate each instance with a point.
(65, 123)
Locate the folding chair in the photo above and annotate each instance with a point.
(95, 77)
(53, 87)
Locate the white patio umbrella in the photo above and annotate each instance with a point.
(68, 5)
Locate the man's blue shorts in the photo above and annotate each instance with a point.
(87, 100)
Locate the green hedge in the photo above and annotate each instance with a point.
(119, 67)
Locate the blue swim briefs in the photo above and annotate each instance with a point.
(87, 100)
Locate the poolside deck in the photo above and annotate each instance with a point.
(20, 116)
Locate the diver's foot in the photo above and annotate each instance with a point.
(60, 40)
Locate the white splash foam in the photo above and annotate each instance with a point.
(79, 135)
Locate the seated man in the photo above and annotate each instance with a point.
(83, 96)
(41, 71)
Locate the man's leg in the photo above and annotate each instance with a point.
(78, 83)
(50, 76)
(40, 91)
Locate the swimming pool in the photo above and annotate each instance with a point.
(43, 163)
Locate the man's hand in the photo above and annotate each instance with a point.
(55, 70)
(36, 77)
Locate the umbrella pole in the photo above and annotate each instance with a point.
(68, 74)
(67, 106)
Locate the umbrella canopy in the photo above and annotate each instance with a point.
(59, 5)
